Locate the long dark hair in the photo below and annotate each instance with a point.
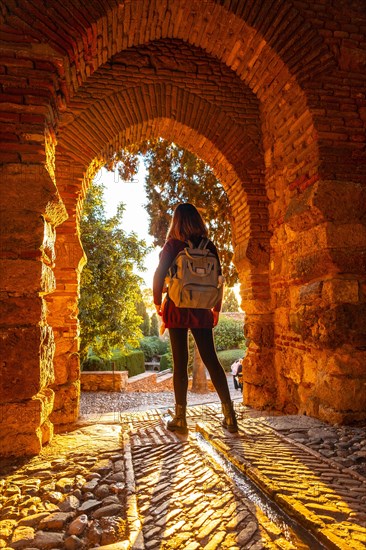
(186, 223)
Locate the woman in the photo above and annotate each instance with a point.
(187, 225)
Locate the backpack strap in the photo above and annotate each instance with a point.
(203, 244)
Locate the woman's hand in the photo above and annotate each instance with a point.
(159, 309)
(215, 317)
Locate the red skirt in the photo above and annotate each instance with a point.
(184, 317)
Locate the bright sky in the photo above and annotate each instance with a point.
(135, 217)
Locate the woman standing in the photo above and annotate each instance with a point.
(187, 225)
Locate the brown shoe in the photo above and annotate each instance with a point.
(178, 423)
(229, 422)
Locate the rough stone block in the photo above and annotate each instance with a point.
(258, 369)
(28, 415)
(310, 292)
(47, 432)
(21, 230)
(326, 201)
(26, 276)
(38, 193)
(66, 368)
(347, 363)
(310, 369)
(62, 308)
(337, 291)
(340, 201)
(25, 426)
(27, 365)
(69, 251)
(21, 444)
(331, 327)
(259, 397)
(342, 393)
(65, 342)
(346, 235)
(22, 310)
(259, 332)
(66, 407)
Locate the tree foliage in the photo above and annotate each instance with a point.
(175, 175)
(229, 334)
(230, 303)
(154, 325)
(141, 310)
(109, 288)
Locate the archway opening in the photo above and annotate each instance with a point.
(264, 110)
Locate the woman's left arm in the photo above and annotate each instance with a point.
(166, 258)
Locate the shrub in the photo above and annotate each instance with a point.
(166, 361)
(153, 346)
(131, 361)
(94, 363)
(227, 357)
(229, 334)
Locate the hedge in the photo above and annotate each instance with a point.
(227, 357)
(132, 361)
(166, 361)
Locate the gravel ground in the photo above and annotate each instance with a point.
(107, 402)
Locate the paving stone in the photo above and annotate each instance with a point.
(207, 529)
(216, 541)
(33, 520)
(56, 520)
(65, 485)
(70, 504)
(247, 533)
(48, 540)
(22, 537)
(237, 519)
(112, 499)
(154, 543)
(90, 485)
(110, 510)
(78, 526)
(89, 505)
(102, 491)
(73, 543)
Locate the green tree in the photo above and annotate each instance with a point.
(109, 289)
(175, 175)
(141, 310)
(230, 303)
(154, 327)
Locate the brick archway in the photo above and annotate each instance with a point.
(266, 100)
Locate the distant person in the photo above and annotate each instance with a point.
(236, 371)
(187, 225)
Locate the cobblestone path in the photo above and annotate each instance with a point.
(186, 500)
(131, 484)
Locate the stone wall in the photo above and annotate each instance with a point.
(103, 381)
(272, 99)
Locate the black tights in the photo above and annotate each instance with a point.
(206, 347)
